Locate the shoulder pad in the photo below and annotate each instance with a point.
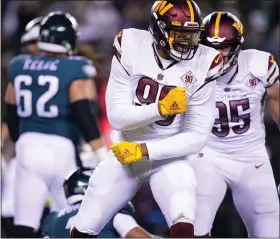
(19, 59)
(85, 68)
(262, 66)
(78, 58)
(15, 65)
(125, 45)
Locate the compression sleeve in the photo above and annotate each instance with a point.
(84, 115)
(13, 122)
(122, 114)
(199, 121)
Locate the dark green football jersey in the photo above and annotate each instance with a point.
(41, 85)
(58, 224)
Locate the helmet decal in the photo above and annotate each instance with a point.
(191, 10)
(217, 24)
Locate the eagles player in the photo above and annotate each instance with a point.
(235, 155)
(160, 98)
(58, 224)
(49, 103)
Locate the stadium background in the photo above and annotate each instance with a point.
(99, 22)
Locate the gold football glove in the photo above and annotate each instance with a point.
(127, 152)
(175, 102)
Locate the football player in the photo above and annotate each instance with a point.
(58, 224)
(30, 36)
(160, 97)
(49, 103)
(235, 156)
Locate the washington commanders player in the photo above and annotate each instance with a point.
(235, 155)
(160, 98)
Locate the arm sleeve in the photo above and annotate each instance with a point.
(272, 73)
(122, 114)
(199, 120)
(123, 224)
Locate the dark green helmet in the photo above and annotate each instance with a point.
(76, 184)
(58, 33)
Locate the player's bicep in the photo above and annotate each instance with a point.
(10, 95)
(272, 101)
(119, 89)
(91, 88)
(78, 90)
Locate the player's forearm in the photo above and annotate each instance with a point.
(180, 145)
(273, 101)
(127, 117)
(274, 110)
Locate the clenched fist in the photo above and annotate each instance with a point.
(175, 102)
(127, 152)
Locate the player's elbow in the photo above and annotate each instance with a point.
(202, 142)
(199, 142)
(117, 122)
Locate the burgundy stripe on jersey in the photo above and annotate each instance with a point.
(218, 59)
(215, 69)
(273, 75)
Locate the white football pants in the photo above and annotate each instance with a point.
(253, 190)
(112, 185)
(43, 164)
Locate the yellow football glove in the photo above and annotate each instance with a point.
(127, 152)
(175, 102)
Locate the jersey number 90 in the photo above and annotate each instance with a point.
(146, 93)
(24, 96)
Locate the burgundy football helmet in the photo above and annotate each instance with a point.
(176, 26)
(223, 30)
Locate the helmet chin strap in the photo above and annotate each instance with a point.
(232, 61)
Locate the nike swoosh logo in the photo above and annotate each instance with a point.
(216, 61)
(257, 166)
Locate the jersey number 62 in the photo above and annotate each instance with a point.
(24, 96)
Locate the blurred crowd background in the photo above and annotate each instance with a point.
(99, 22)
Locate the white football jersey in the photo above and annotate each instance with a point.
(142, 83)
(239, 127)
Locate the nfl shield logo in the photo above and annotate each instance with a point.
(160, 77)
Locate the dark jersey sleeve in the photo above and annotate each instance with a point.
(84, 68)
(15, 66)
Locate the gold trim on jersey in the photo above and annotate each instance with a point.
(217, 24)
